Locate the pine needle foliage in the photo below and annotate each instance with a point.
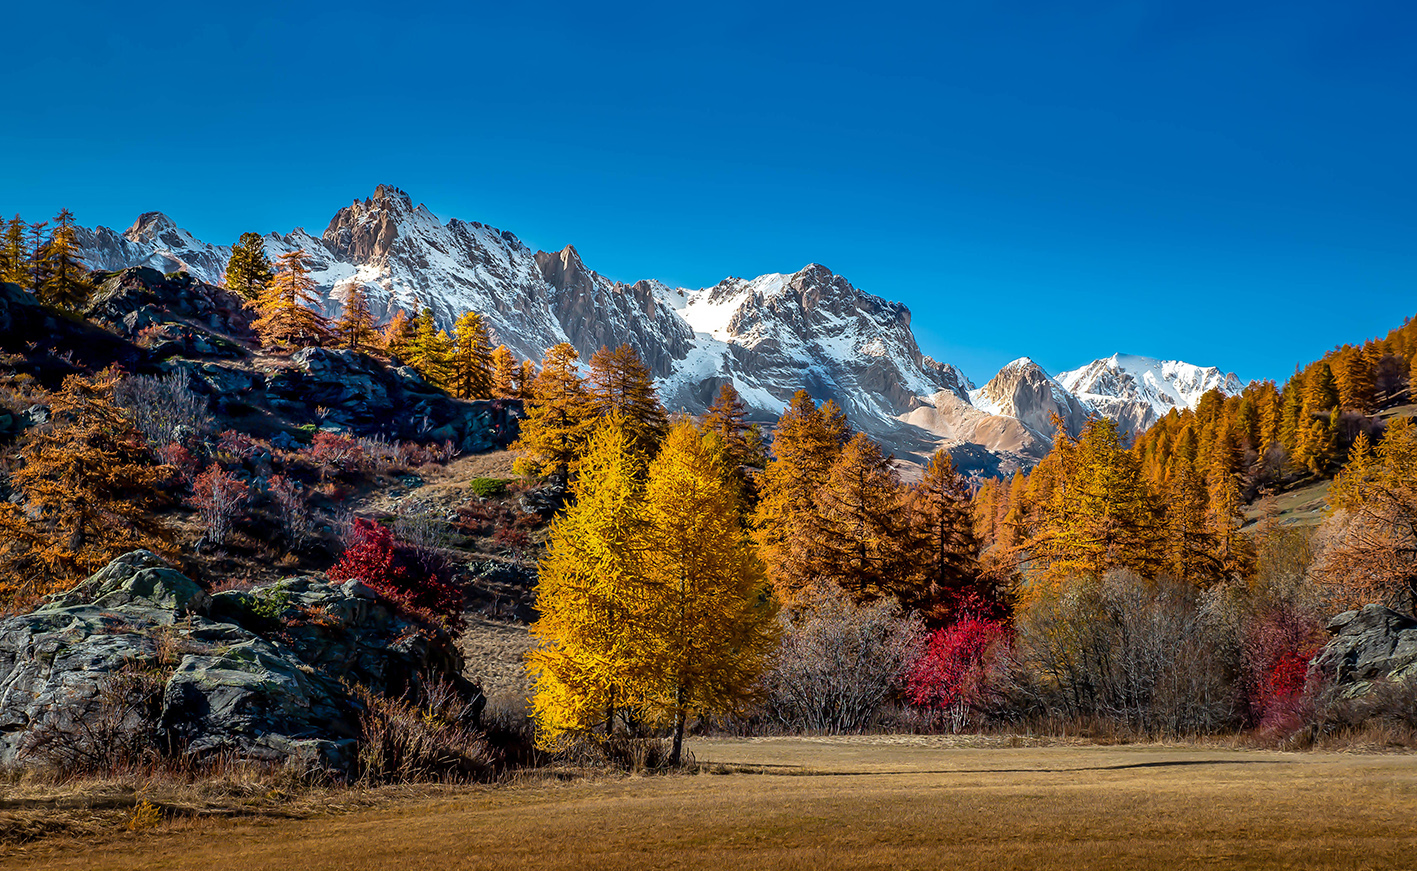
(248, 269)
(289, 306)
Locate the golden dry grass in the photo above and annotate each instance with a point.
(888, 802)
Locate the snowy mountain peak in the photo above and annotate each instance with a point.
(1137, 391)
(769, 336)
(1024, 391)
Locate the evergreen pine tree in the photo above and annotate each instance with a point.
(248, 270)
(472, 369)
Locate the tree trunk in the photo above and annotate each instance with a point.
(677, 754)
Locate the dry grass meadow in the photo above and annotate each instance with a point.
(888, 802)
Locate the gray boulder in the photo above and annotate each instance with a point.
(1366, 646)
(264, 674)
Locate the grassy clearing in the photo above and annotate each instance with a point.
(875, 802)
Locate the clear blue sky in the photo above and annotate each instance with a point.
(1226, 182)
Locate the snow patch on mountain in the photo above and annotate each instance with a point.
(1137, 391)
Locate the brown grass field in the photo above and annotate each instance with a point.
(889, 802)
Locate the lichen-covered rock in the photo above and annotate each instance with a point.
(263, 674)
(1365, 646)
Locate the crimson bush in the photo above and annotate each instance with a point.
(415, 579)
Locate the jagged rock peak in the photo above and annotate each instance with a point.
(388, 192)
(149, 226)
(563, 269)
(1024, 391)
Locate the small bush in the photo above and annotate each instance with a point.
(489, 488)
(840, 663)
(415, 579)
(295, 519)
(220, 497)
(961, 672)
(164, 409)
(330, 450)
(431, 739)
(423, 527)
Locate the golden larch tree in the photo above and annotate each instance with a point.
(558, 417)
(355, 328)
(806, 442)
(619, 382)
(88, 484)
(289, 306)
(506, 374)
(945, 549)
(710, 626)
(591, 596)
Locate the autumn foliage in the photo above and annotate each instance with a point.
(417, 580)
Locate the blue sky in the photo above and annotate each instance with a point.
(1228, 183)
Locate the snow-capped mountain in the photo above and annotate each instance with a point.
(769, 336)
(1138, 391)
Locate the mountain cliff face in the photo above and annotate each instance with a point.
(769, 336)
(1026, 393)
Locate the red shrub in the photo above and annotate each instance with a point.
(1278, 648)
(178, 457)
(234, 446)
(220, 497)
(332, 450)
(955, 673)
(418, 581)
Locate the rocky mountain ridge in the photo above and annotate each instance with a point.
(769, 336)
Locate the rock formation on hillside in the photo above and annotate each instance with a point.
(140, 653)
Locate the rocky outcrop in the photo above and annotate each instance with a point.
(595, 312)
(50, 344)
(262, 674)
(1366, 646)
(199, 319)
(365, 396)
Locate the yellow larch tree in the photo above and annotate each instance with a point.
(710, 626)
(944, 549)
(288, 305)
(558, 417)
(591, 596)
(506, 374)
